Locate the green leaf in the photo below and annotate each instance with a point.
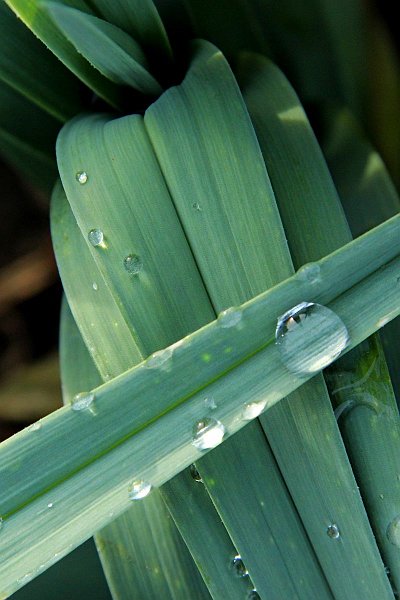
(87, 475)
(27, 138)
(219, 166)
(315, 224)
(109, 49)
(163, 565)
(36, 17)
(27, 67)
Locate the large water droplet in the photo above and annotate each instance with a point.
(311, 272)
(253, 409)
(195, 474)
(333, 531)
(207, 433)
(82, 401)
(238, 566)
(81, 177)
(96, 237)
(133, 264)
(139, 489)
(230, 317)
(253, 595)
(309, 337)
(393, 531)
(159, 360)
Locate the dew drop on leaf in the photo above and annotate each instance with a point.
(82, 401)
(139, 489)
(133, 264)
(253, 409)
(333, 531)
(207, 433)
(195, 474)
(393, 531)
(309, 337)
(238, 566)
(81, 177)
(96, 237)
(311, 273)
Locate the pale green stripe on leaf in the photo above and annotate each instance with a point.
(109, 49)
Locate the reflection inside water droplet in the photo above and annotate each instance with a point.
(238, 566)
(139, 489)
(96, 237)
(393, 531)
(333, 531)
(82, 401)
(81, 177)
(195, 474)
(207, 433)
(133, 264)
(253, 409)
(309, 337)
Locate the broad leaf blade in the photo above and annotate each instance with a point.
(204, 155)
(35, 16)
(26, 66)
(109, 49)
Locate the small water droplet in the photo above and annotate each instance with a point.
(381, 496)
(210, 403)
(253, 409)
(311, 272)
(95, 286)
(139, 489)
(81, 177)
(96, 237)
(159, 359)
(393, 531)
(195, 474)
(230, 317)
(253, 595)
(50, 505)
(197, 206)
(35, 426)
(207, 433)
(82, 401)
(238, 566)
(333, 532)
(309, 337)
(133, 264)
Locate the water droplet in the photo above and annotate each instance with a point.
(81, 177)
(197, 206)
(311, 272)
(333, 532)
(82, 401)
(159, 359)
(309, 337)
(253, 595)
(95, 286)
(50, 505)
(230, 317)
(393, 531)
(35, 426)
(239, 567)
(210, 403)
(133, 264)
(207, 433)
(139, 489)
(195, 474)
(96, 237)
(253, 409)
